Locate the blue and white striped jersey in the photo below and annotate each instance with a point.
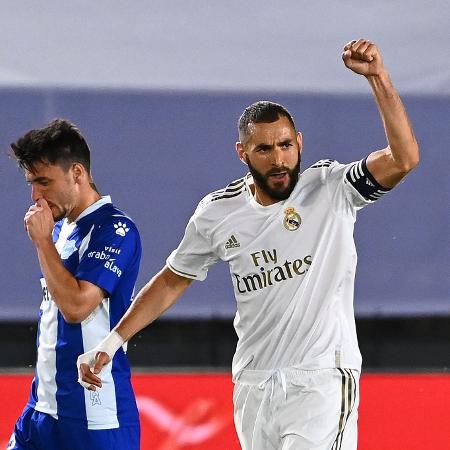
(101, 246)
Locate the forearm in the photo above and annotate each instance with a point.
(403, 147)
(61, 284)
(72, 301)
(158, 295)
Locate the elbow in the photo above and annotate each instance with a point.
(410, 163)
(74, 317)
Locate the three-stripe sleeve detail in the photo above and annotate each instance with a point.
(322, 163)
(234, 189)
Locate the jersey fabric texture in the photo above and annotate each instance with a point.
(292, 266)
(102, 246)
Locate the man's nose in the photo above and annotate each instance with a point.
(35, 193)
(278, 157)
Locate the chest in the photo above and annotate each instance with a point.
(286, 235)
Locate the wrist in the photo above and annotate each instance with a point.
(44, 242)
(111, 344)
(380, 78)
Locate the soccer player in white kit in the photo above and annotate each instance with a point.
(288, 239)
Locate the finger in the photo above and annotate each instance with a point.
(348, 45)
(42, 203)
(346, 54)
(357, 44)
(34, 209)
(101, 360)
(363, 50)
(87, 374)
(87, 379)
(371, 51)
(87, 386)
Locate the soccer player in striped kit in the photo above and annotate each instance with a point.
(89, 253)
(288, 238)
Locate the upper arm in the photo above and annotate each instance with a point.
(108, 256)
(174, 281)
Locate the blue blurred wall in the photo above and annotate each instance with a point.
(157, 153)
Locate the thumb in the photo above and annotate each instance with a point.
(101, 359)
(42, 203)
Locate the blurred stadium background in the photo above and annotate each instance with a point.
(157, 87)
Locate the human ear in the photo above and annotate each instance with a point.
(241, 152)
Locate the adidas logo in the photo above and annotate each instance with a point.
(232, 243)
(369, 182)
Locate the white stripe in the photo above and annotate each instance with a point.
(85, 243)
(352, 174)
(359, 168)
(46, 361)
(101, 406)
(48, 334)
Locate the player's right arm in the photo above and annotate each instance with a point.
(158, 295)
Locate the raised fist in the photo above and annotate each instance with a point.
(363, 57)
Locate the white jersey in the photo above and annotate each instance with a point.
(292, 265)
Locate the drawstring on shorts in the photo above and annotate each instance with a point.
(275, 375)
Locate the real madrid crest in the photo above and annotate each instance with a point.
(292, 219)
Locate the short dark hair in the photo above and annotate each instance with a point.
(262, 112)
(59, 142)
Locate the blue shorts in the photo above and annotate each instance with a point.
(35, 430)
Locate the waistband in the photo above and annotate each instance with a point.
(252, 376)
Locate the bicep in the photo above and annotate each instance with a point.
(173, 281)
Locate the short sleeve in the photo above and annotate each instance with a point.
(195, 255)
(362, 181)
(352, 186)
(108, 252)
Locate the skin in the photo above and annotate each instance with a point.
(272, 149)
(59, 193)
(391, 164)
(264, 146)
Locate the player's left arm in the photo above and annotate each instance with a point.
(389, 165)
(75, 299)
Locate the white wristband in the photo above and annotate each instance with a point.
(110, 344)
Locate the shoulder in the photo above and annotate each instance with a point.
(225, 199)
(323, 163)
(322, 170)
(112, 220)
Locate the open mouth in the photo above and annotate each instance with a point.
(278, 176)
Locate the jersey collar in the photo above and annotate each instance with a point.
(269, 208)
(90, 209)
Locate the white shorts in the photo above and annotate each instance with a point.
(290, 409)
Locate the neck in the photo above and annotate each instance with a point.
(261, 197)
(87, 200)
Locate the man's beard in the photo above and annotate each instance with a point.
(262, 180)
